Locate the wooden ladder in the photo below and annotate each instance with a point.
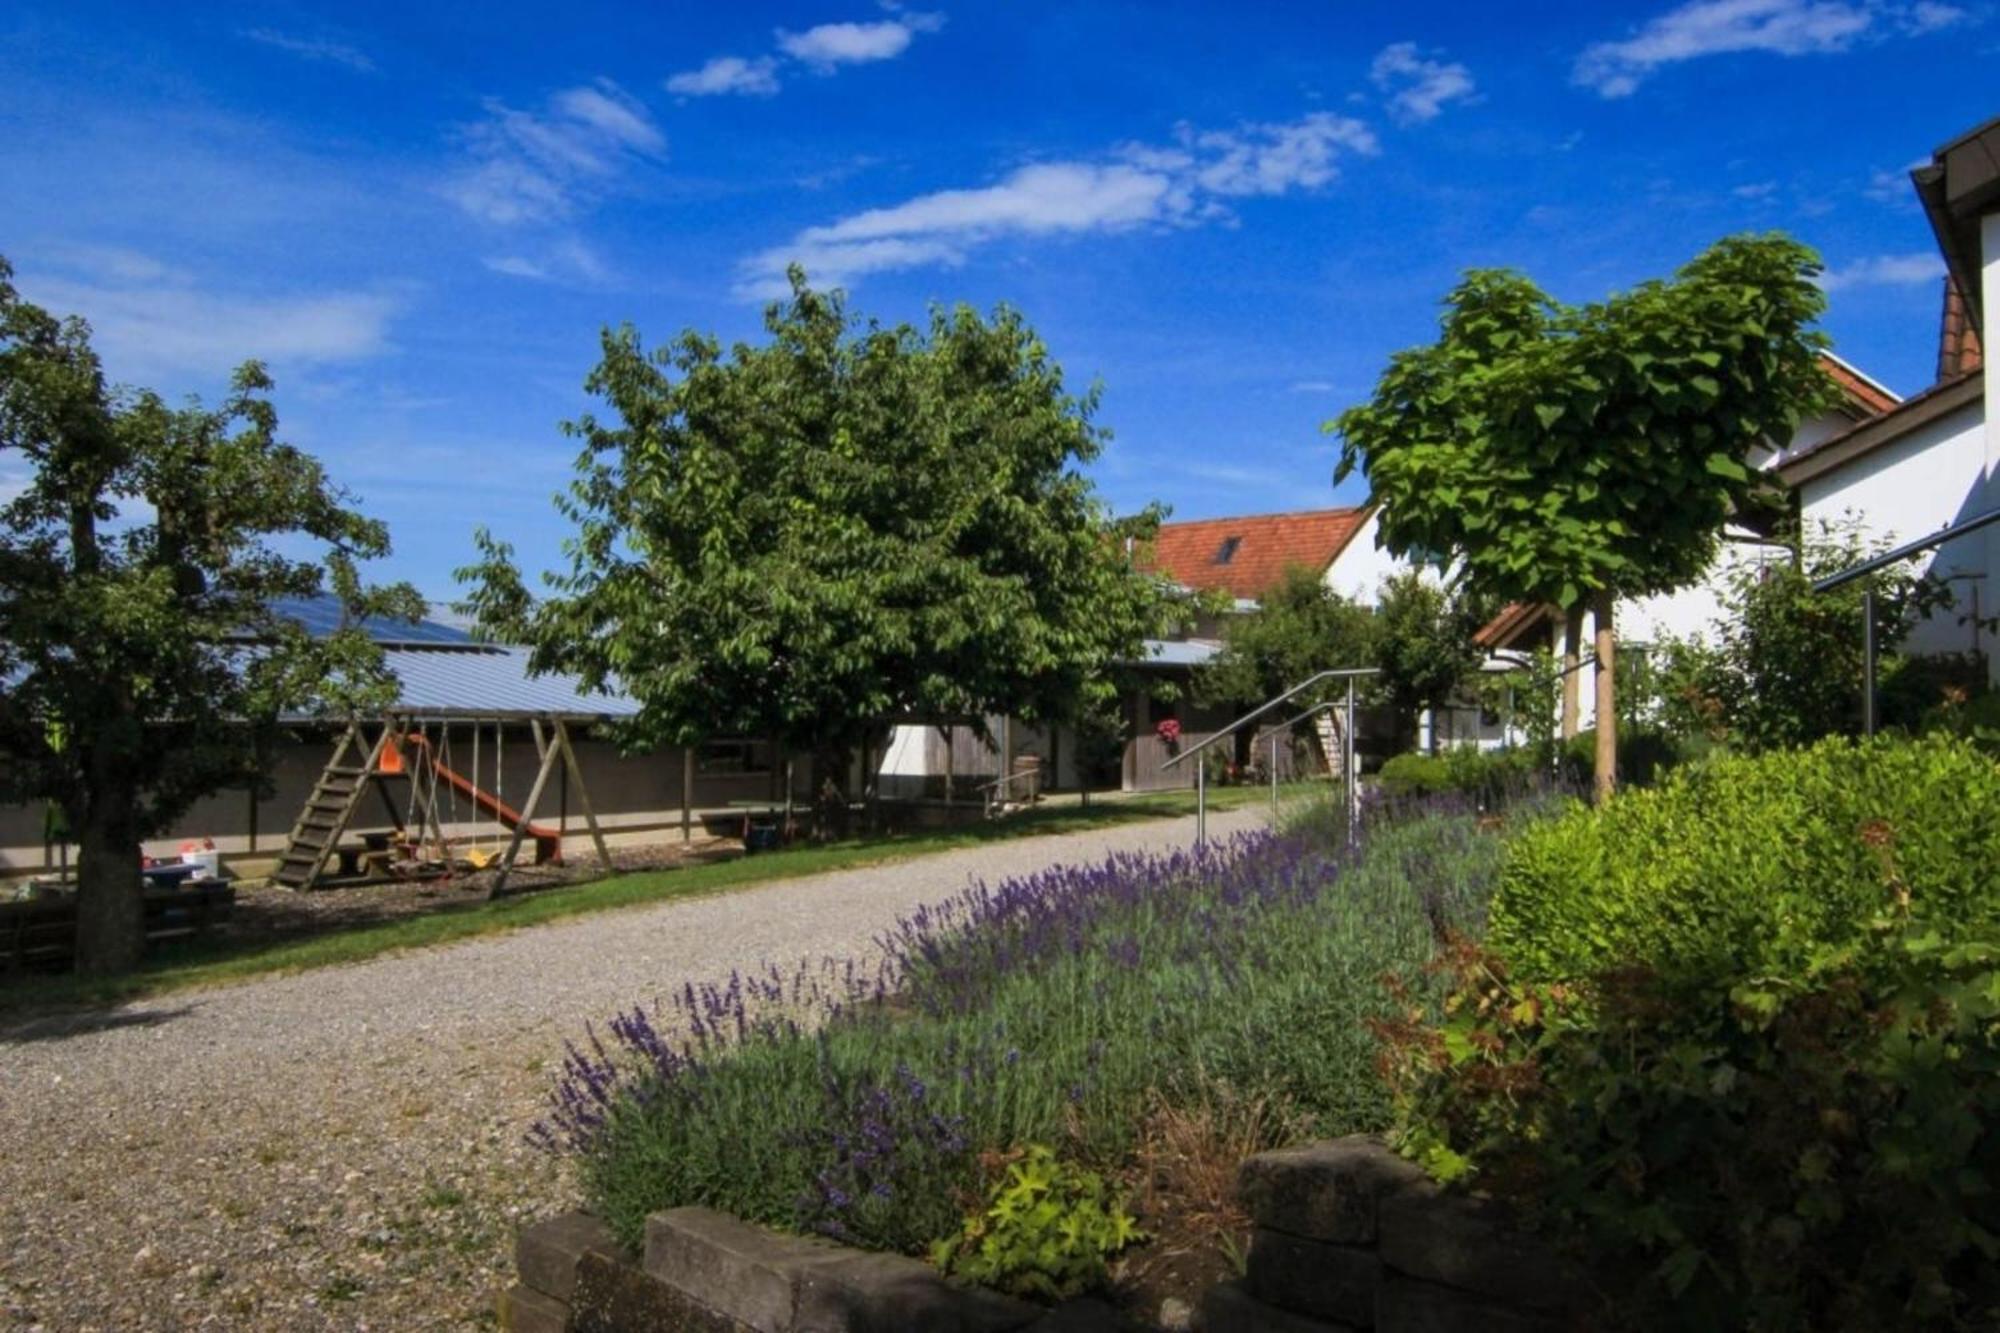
(328, 810)
(1327, 732)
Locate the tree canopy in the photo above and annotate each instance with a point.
(1562, 454)
(1425, 644)
(841, 526)
(139, 562)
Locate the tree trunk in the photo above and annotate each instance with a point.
(110, 928)
(1607, 711)
(1572, 662)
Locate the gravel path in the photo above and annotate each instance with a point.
(342, 1148)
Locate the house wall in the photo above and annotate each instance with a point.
(1933, 476)
(1989, 286)
(1361, 567)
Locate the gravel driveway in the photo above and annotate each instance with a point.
(342, 1148)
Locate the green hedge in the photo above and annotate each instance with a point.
(1756, 864)
(1738, 1040)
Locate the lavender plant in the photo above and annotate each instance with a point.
(854, 1098)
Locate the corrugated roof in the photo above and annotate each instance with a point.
(1248, 556)
(489, 681)
(1180, 652)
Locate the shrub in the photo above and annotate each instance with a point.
(1487, 777)
(1046, 1230)
(1740, 1036)
(1752, 865)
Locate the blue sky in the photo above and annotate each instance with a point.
(421, 215)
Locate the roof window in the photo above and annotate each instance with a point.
(1227, 551)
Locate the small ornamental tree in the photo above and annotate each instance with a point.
(1300, 627)
(841, 527)
(139, 561)
(1425, 647)
(1578, 454)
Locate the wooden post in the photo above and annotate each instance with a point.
(687, 793)
(575, 770)
(527, 813)
(1572, 668)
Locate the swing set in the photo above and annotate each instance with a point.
(402, 750)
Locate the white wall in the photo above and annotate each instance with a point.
(1360, 569)
(1935, 475)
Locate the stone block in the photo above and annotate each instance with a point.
(773, 1283)
(1475, 1244)
(616, 1296)
(1403, 1305)
(1085, 1315)
(730, 1266)
(546, 1252)
(1324, 1191)
(1312, 1277)
(1228, 1308)
(525, 1310)
(860, 1292)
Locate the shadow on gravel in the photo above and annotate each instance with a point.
(57, 1026)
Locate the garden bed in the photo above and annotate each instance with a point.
(1150, 1020)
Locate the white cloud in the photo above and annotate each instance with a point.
(728, 74)
(1184, 184)
(1893, 186)
(1756, 190)
(568, 259)
(1923, 266)
(314, 48)
(833, 44)
(149, 321)
(541, 166)
(1419, 87)
(1779, 27)
(1312, 386)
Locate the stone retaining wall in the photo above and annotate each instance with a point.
(706, 1272)
(1350, 1236)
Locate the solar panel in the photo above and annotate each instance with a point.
(321, 616)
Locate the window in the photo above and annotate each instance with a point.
(1227, 551)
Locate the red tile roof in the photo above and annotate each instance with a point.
(1516, 619)
(1247, 556)
(1865, 398)
(1958, 341)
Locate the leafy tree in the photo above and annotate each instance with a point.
(844, 526)
(1566, 454)
(1425, 646)
(1785, 667)
(1299, 627)
(138, 564)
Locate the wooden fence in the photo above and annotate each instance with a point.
(40, 935)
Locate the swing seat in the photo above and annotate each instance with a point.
(478, 857)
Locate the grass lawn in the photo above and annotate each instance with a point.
(218, 962)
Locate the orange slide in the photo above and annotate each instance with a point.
(548, 842)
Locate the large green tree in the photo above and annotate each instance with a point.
(839, 527)
(1570, 454)
(139, 559)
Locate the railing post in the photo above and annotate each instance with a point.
(1200, 804)
(1347, 769)
(1274, 770)
(1868, 659)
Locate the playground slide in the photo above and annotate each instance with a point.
(548, 842)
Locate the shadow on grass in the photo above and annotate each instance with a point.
(223, 960)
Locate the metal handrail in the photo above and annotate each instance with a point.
(1347, 766)
(1949, 532)
(1344, 673)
